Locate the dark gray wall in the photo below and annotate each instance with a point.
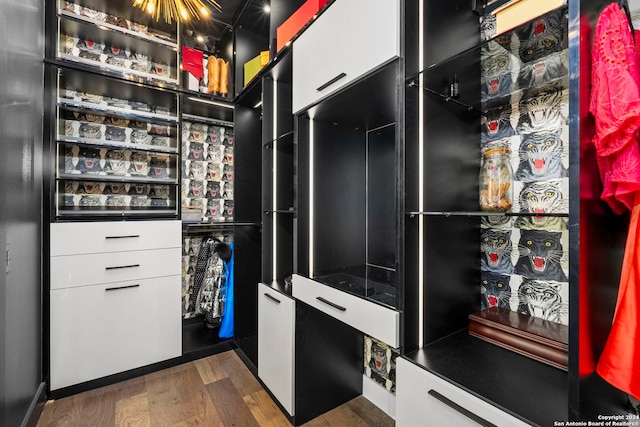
(21, 120)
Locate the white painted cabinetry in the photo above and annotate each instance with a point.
(276, 344)
(368, 317)
(114, 299)
(350, 39)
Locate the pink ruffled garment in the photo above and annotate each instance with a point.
(615, 104)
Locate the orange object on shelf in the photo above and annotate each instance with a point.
(296, 21)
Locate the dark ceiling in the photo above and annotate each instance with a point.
(248, 13)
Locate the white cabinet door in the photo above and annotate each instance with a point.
(105, 329)
(423, 399)
(276, 319)
(371, 318)
(351, 38)
(82, 270)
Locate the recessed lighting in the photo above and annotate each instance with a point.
(267, 8)
(206, 101)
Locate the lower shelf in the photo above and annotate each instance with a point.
(499, 376)
(198, 338)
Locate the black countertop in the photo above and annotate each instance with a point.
(527, 389)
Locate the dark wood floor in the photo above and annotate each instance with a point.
(214, 391)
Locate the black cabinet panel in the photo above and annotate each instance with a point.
(247, 244)
(450, 26)
(451, 274)
(329, 357)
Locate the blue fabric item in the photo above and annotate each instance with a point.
(226, 326)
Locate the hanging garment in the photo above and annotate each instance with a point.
(209, 300)
(615, 104)
(226, 328)
(201, 266)
(619, 363)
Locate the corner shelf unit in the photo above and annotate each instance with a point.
(445, 270)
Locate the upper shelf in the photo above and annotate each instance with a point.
(75, 23)
(118, 46)
(532, 54)
(485, 213)
(122, 110)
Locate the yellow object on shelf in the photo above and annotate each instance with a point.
(518, 12)
(253, 67)
(264, 58)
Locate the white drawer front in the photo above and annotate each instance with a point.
(96, 237)
(351, 38)
(82, 270)
(276, 332)
(368, 317)
(418, 402)
(97, 332)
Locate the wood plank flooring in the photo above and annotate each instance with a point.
(214, 391)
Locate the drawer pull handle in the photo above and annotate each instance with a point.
(118, 267)
(276, 300)
(122, 287)
(332, 81)
(123, 237)
(467, 413)
(334, 305)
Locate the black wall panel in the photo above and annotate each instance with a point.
(248, 164)
(21, 121)
(247, 46)
(247, 249)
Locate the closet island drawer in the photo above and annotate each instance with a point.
(421, 395)
(105, 329)
(81, 270)
(276, 344)
(368, 317)
(114, 236)
(350, 39)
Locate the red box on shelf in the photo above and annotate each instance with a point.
(296, 21)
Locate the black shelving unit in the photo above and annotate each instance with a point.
(84, 78)
(443, 227)
(356, 175)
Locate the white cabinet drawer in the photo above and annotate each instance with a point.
(276, 332)
(82, 270)
(97, 332)
(351, 38)
(368, 317)
(421, 397)
(96, 237)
